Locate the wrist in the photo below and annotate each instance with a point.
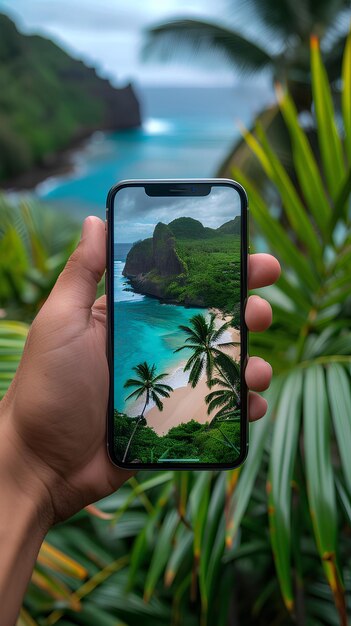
(22, 485)
(24, 521)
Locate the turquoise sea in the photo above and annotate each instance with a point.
(186, 133)
(145, 330)
(162, 148)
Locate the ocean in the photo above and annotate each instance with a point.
(186, 133)
(145, 330)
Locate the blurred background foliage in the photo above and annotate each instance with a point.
(268, 543)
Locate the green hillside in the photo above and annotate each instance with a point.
(189, 264)
(232, 227)
(48, 99)
(188, 228)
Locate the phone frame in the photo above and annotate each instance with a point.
(109, 280)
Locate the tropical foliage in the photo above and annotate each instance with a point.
(289, 24)
(208, 443)
(34, 245)
(309, 471)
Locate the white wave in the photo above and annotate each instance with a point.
(157, 126)
(47, 185)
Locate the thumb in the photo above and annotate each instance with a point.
(84, 269)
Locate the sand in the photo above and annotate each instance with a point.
(186, 403)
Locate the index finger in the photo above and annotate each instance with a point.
(263, 270)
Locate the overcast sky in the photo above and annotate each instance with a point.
(138, 213)
(109, 34)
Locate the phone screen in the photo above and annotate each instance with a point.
(176, 290)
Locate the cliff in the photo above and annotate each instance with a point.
(152, 262)
(49, 100)
(187, 263)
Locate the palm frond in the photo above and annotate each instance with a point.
(196, 371)
(162, 390)
(297, 19)
(157, 400)
(159, 377)
(175, 38)
(190, 362)
(133, 382)
(136, 394)
(217, 334)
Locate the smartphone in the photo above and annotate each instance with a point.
(176, 284)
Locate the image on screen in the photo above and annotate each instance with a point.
(176, 291)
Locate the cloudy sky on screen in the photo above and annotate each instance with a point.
(137, 214)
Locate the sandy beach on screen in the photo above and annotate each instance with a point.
(186, 403)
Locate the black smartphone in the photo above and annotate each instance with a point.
(176, 285)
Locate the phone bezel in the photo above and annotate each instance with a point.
(244, 441)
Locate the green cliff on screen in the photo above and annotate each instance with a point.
(189, 264)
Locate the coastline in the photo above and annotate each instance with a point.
(59, 163)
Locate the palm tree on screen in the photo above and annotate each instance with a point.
(147, 383)
(226, 397)
(289, 24)
(204, 340)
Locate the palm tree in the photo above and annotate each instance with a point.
(203, 339)
(227, 397)
(149, 384)
(290, 24)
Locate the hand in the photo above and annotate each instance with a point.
(53, 416)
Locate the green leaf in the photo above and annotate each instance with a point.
(12, 339)
(340, 404)
(346, 95)
(213, 540)
(161, 553)
(180, 554)
(259, 433)
(276, 235)
(329, 140)
(140, 548)
(294, 209)
(198, 501)
(306, 166)
(320, 478)
(139, 489)
(341, 201)
(345, 499)
(91, 615)
(282, 462)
